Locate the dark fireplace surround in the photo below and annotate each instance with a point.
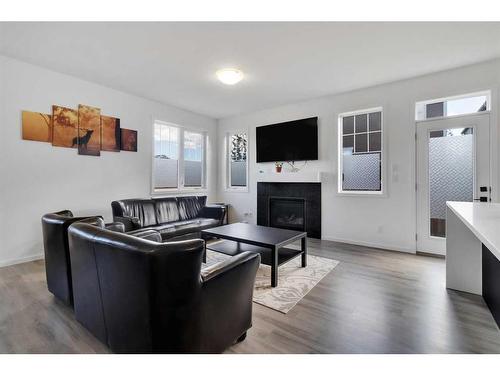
(290, 205)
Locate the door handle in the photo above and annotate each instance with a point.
(481, 199)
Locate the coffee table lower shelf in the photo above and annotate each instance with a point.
(232, 248)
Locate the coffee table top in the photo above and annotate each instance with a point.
(255, 234)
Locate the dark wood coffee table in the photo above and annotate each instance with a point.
(268, 242)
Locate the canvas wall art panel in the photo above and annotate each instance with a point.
(110, 134)
(37, 126)
(64, 127)
(89, 130)
(129, 140)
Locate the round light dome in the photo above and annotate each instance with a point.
(229, 76)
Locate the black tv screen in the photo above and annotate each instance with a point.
(288, 141)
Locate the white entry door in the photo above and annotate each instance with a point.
(453, 164)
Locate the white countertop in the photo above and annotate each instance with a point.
(483, 219)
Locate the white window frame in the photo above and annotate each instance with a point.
(366, 193)
(227, 152)
(180, 157)
(445, 99)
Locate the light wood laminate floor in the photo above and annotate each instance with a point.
(374, 301)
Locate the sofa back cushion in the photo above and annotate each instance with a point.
(167, 210)
(144, 209)
(189, 207)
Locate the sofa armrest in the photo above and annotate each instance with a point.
(92, 220)
(227, 291)
(213, 212)
(130, 223)
(146, 234)
(115, 227)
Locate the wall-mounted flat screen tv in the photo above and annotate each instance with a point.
(288, 141)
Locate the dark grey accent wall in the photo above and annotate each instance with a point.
(310, 191)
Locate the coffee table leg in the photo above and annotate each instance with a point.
(204, 260)
(303, 247)
(274, 267)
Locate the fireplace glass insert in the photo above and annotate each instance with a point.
(287, 213)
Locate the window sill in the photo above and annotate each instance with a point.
(174, 191)
(362, 194)
(236, 189)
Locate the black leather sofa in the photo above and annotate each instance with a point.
(175, 218)
(140, 296)
(55, 242)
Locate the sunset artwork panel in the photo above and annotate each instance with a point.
(89, 130)
(110, 134)
(65, 126)
(37, 126)
(129, 140)
(83, 128)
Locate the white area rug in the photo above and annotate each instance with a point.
(294, 282)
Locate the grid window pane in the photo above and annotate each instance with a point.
(466, 105)
(375, 121)
(348, 125)
(193, 159)
(238, 160)
(434, 110)
(348, 144)
(166, 151)
(361, 123)
(375, 141)
(361, 141)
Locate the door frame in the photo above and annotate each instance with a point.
(492, 164)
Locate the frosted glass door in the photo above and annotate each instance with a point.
(452, 165)
(451, 173)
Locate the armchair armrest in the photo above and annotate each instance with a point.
(227, 293)
(146, 234)
(219, 269)
(130, 223)
(115, 227)
(213, 212)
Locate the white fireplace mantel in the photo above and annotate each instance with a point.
(301, 176)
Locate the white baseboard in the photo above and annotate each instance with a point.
(371, 244)
(30, 258)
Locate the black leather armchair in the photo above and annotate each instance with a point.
(55, 242)
(140, 296)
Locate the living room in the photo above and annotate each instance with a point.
(249, 187)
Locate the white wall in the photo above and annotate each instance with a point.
(36, 178)
(387, 222)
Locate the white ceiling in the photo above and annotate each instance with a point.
(175, 63)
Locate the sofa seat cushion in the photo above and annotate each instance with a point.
(186, 226)
(194, 225)
(165, 230)
(208, 223)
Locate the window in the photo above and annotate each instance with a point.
(176, 167)
(453, 106)
(237, 160)
(360, 152)
(193, 159)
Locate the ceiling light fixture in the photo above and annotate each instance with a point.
(229, 76)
